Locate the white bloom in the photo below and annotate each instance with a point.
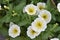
(46, 15)
(58, 7)
(14, 30)
(41, 6)
(39, 25)
(31, 33)
(30, 9)
(54, 39)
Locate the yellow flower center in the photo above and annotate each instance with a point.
(39, 24)
(45, 16)
(15, 31)
(31, 10)
(32, 32)
(41, 7)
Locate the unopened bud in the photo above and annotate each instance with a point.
(0, 7)
(14, 14)
(6, 7)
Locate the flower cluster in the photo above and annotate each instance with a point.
(37, 26)
(38, 16)
(40, 23)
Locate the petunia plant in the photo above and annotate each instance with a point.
(29, 19)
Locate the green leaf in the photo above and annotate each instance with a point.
(4, 31)
(20, 38)
(20, 7)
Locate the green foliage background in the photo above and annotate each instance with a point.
(24, 20)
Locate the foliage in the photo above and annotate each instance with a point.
(24, 20)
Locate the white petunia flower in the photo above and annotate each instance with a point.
(31, 33)
(46, 15)
(54, 39)
(30, 9)
(14, 30)
(41, 6)
(39, 25)
(58, 7)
